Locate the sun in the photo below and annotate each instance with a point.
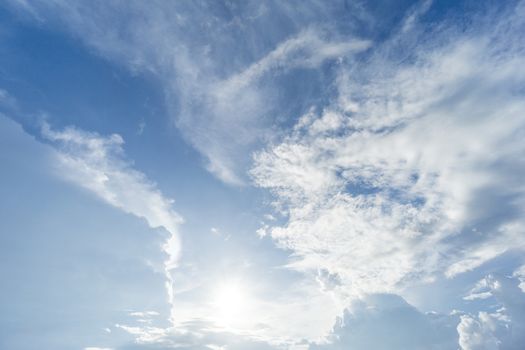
(230, 303)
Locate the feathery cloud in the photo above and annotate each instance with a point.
(98, 164)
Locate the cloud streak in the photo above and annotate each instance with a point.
(218, 76)
(98, 164)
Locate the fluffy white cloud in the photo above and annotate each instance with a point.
(477, 334)
(98, 164)
(502, 328)
(520, 274)
(387, 321)
(415, 170)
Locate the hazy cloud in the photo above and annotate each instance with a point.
(218, 75)
(98, 164)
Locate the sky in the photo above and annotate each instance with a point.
(262, 175)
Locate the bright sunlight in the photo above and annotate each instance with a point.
(230, 303)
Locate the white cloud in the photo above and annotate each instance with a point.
(210, 62)
(477, 334)
(7, 100)
(412, 17)
(374, 321)
(193, 335)
(501, 329)
(520, 274)
(480, 291)
(144, 313)
(415, 171)
(308, 49)
(238, 109)
(385, 321)
(98, 164)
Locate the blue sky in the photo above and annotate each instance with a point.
(262, 175)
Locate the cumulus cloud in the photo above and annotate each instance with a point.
(98, 164)
(414, 171)
(387, 321)
(500, 328)
(477, 333)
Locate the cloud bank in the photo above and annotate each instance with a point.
(386, 321)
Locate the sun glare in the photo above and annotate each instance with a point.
(230, 302)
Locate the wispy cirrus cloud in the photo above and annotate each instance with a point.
(211, 62)
(99, 165)
(238, 108)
